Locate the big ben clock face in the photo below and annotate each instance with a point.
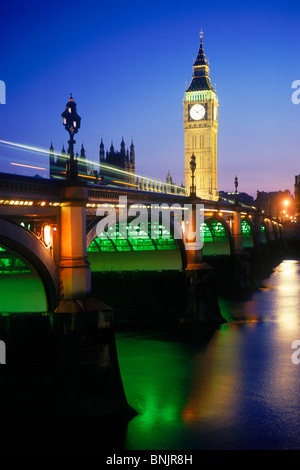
(197, 112)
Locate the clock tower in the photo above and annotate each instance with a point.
(200, 111)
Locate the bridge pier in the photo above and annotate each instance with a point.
(83, 325)
(258, 232)
(237, 230)
(75, 274)
(242, 277)
(202, 306)
(202, 303)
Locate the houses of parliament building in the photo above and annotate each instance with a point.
(115, 166)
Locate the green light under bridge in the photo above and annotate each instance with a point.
(21, 288)
(11, 264)
(246, 228)
(113, 241)
(143, 253)
(213, 231)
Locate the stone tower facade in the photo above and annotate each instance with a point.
(200, 109)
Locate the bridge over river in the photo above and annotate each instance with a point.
(56, 332)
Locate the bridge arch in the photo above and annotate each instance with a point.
(276, 230)
(119, 254)
(17, 242)
(217, 237)
(269, 229)
(248, 233)
(264, 233)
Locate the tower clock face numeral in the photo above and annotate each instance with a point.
(197, 112)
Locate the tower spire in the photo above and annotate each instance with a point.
(201, 59)
(200, 79)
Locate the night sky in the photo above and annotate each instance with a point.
(127, 64)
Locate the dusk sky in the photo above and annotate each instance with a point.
(127, 64)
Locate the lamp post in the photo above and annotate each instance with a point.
(286, 202)
(71, 121)
(193, 168)
(236, 183)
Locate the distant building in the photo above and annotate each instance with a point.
(279, 204)
(123, 160)
(244, 198)
(169, 178)
(297, 196)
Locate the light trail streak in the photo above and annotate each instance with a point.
(24, 147)
(123, 182)
(29, 166)
(106, 166)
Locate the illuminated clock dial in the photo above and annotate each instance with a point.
(197, 112)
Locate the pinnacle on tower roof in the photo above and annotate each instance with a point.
(201, 79)
(201, 59)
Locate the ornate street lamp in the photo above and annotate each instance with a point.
(236, 183)
(193, 168)
(71, 121)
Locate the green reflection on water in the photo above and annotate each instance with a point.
(156, 377)
(240, 391)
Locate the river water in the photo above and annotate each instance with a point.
(239, 390)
